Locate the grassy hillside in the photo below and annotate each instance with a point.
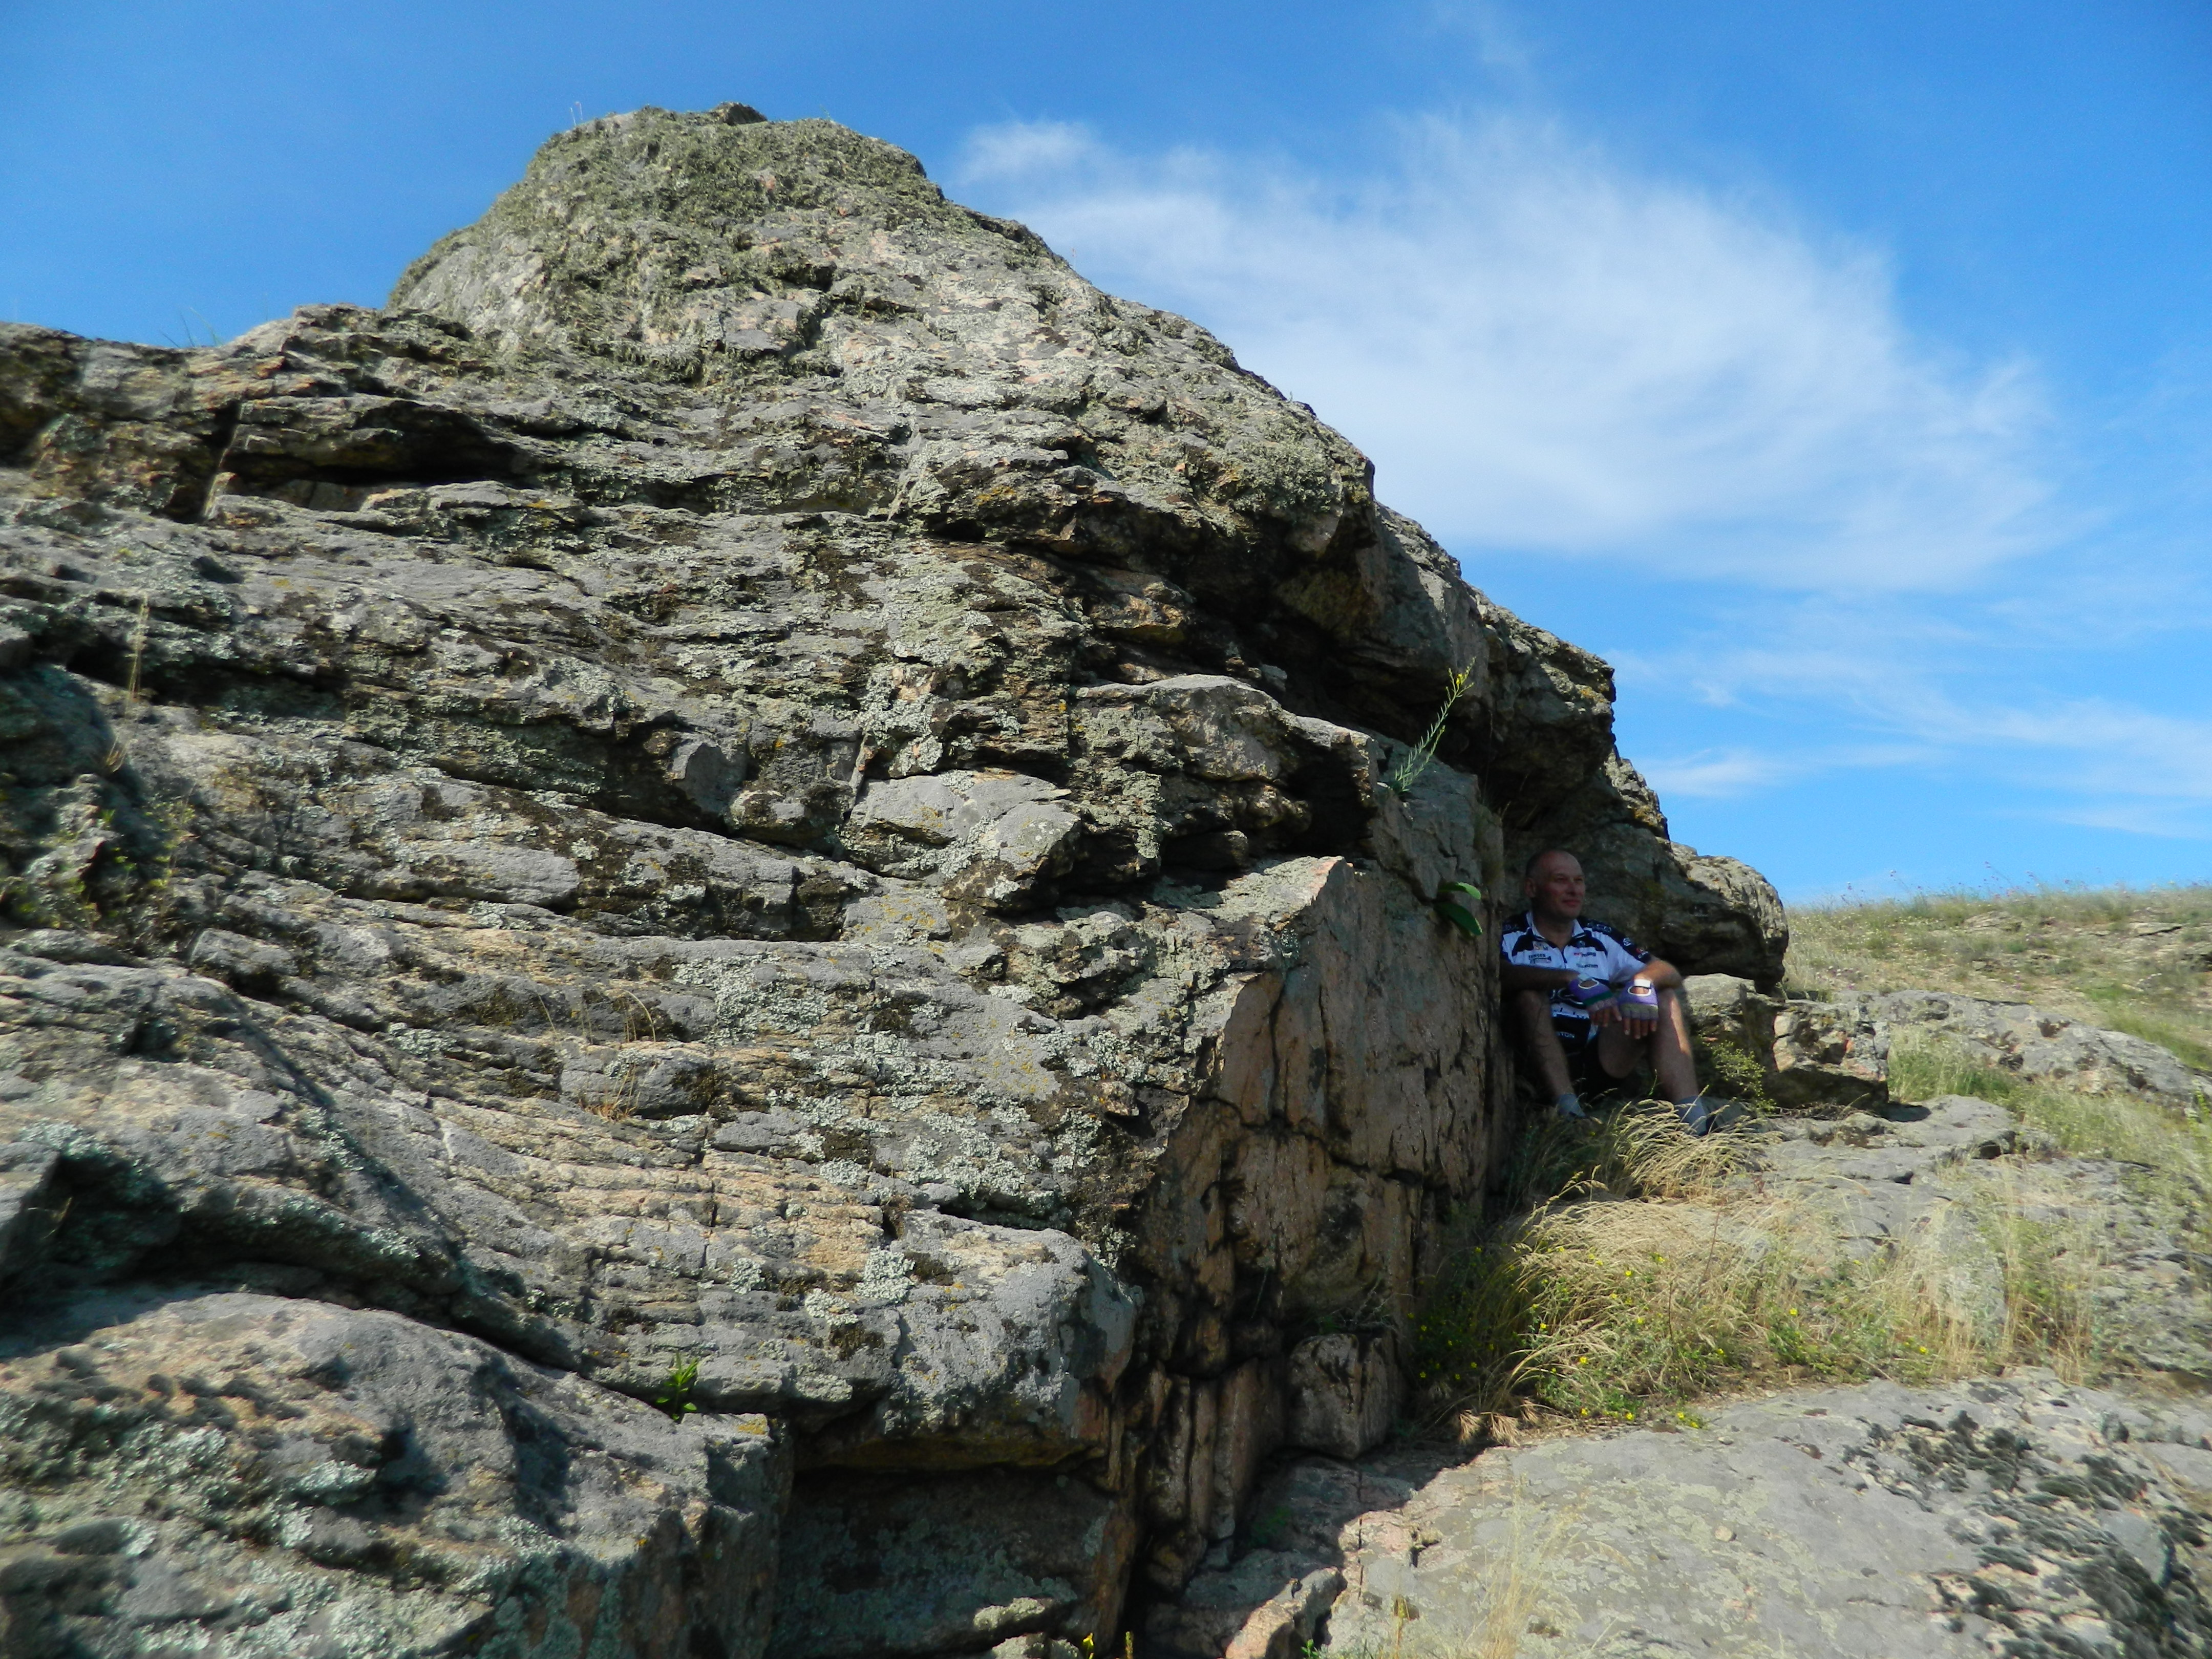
(2134, 959)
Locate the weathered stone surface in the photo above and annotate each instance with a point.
(1265, 1607)
(2021, 1517)
(2038, 1044)
(1878, 1178)
(1834, 1055)
(1730, 1012)
(27, 1204)
(1345, 1394)
(250, 1474)
(759, 776)
(891, 1566)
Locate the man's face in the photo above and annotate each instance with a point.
(1555, 886)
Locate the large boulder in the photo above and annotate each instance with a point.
(266, 1474)
(755, 799)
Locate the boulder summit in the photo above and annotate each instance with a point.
(707, 946)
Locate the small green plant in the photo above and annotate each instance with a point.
(1423, 754)
(675, 1395)
(1271, 1529)
(1732, 1070)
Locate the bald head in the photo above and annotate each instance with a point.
(1552, 881)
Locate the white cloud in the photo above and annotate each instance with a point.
(1735, 772)
(1546, 350)
(1855, 558)
(1717, 775)
(1022, 149)
(1876, 687)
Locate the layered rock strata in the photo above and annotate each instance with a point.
(707, 946)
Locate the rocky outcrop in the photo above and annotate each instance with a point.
(1834, 1052)
(2038, 1045)
(758, 801)
(276, 1475)
(2022, 1516)
(1831, 1054)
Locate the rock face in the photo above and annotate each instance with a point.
(2016, 1516)
(755, 775)
(409, 1479)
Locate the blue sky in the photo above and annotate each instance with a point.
(1842, 372)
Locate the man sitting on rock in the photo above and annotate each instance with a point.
(1592, 1008)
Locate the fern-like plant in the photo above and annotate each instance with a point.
(1403, 774)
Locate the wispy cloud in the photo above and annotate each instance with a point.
(1737, 771)
(1717, 776)
(1858, 552)
(1546, 349)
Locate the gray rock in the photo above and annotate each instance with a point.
(247, 964)
(28, 1203)
(1345, 1394)
(1834, 1055)
(2022, 1517)
(993, 839)
(1727, 1011)
(877, 1564)
(1265, 1606)
(756, 776)
(1878, 1179)
(250, 1475)
(2036, 1044)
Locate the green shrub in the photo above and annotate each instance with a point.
(675, 1395)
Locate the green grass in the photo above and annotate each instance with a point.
(2134, 959)
(2116, 1125)
(2123, 1010)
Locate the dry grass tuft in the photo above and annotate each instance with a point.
(1519, 1589)
(1638, 1274)
(1632, 1298)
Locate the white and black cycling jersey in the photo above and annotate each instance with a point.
(1595, 951)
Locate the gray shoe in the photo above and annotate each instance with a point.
(1697, 1114)
(1569, 1106)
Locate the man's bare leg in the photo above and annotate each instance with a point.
(1533, 1010)
(1665, 1048)
(1671, 1055)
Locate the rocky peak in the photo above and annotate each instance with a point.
(820, 298)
